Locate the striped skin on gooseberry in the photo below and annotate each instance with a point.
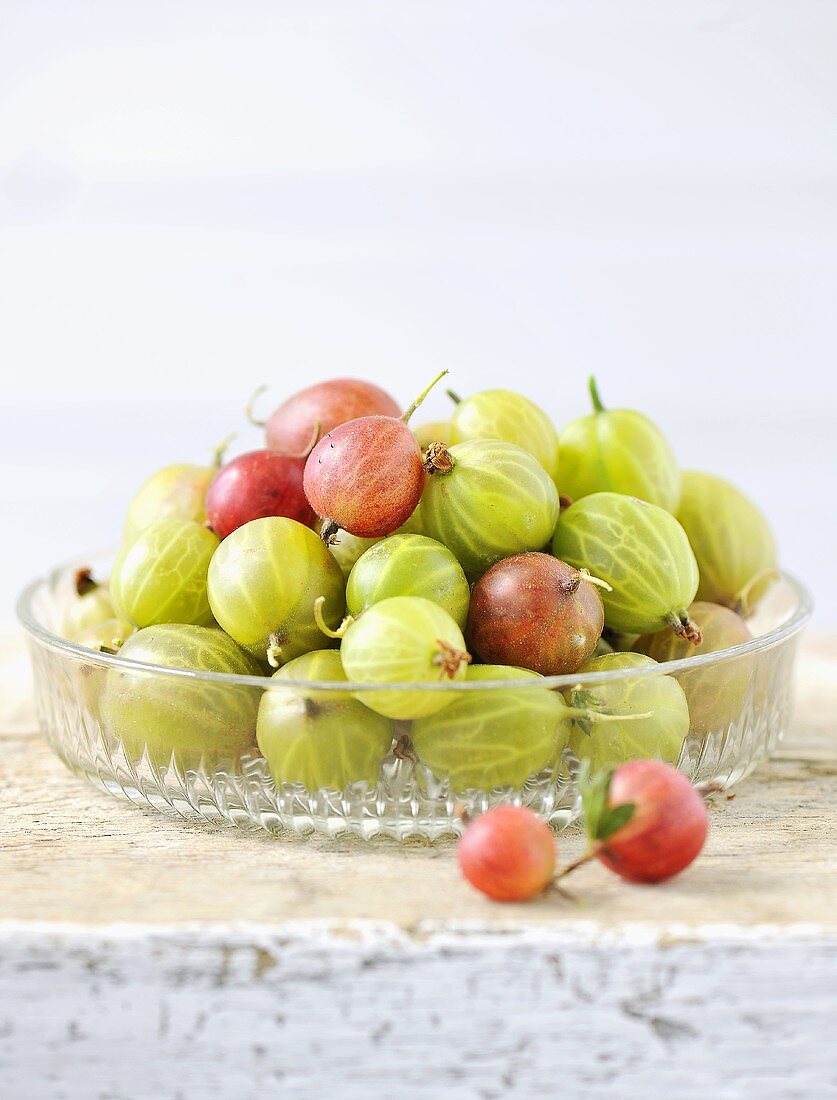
(537, 612)
(510, 417)
(161, 576)
(620, 451)
(175, 492)
(324, 740)
(715, 693)
(487, 500)
(732, 541)
(493, 738)
(660, 700)
(641, 551)
(194, 722)
(408, 640)
(298, 423)
(508, 854)
(263, 581)
(409, 565)
(254, 485)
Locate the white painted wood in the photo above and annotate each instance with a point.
(368, 1009)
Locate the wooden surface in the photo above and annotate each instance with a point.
(312, 962)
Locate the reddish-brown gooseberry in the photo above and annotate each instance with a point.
(256, 485)
(508, 854)
(298, 423)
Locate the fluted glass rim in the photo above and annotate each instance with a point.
(791, 626)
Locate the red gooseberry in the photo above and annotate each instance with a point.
(256, 485)
(508, 854)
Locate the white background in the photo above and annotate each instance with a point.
(198, 197)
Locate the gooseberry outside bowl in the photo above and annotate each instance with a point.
(749, 687)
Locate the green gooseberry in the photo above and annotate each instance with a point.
(487, 500)
(620, 451)
(346, 549)
(105, 637)
(264, 580)
(90, 603)
(321, 739)
(645, 717)
(732, 541)
(435, 431)
(510, 417)
(404, 640)
(161, 576)
(641, 551)
(715, 693)
(493, 738)
(409, 565)
(190, 721)
(175, 492)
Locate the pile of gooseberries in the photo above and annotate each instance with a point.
(406, 592)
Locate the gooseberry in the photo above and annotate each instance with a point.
(175, 492)
(347, 548)
(189, 721)
(620, 451)
(645, 821)
(89, 603)
(366, 476)
(498, 737)
(434, 431)
(510, 417)
(508, 854)
(263, 581)
(732, 541)
(254, 485)
(409, 565)
(647, 714)
(641, 551)
(161, 576)
(298, 423)
(715, 692)
(487, 500)
(537, 612)
(409, 640)
(319, 738)
(107, 636)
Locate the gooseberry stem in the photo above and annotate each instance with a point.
(329, 531)
(591, 853)
(274, 651)
(220, 450)
(586, 575)
(406, 417)
(454, 396)
(602, 716)
(248, 408)
(683, 627)
(323, 625)
(84, 581)
(450, 659)
(594, 395)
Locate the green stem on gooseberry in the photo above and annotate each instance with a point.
(602, 716)
(454, 396)
(593, 850)
(220, 450)
(406, 417)
(323, 625)
(586, 575)
(248, 408)
(594, 395)
(684, 627)
(437, 460)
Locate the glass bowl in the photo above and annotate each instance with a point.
(184, 742)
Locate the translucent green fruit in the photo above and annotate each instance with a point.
(190, 720)
(715, 693)
(409, 565)
(510, 417)
(660, 699)
(161, 577)
(346, 549)
(105, 637)
(732, 541)
(264, 580)
(87, 610)
(643, 554)
(493, 738)
(487, 500)
(409, 640)
(620, 451)
(321, 739)
(175, 492)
